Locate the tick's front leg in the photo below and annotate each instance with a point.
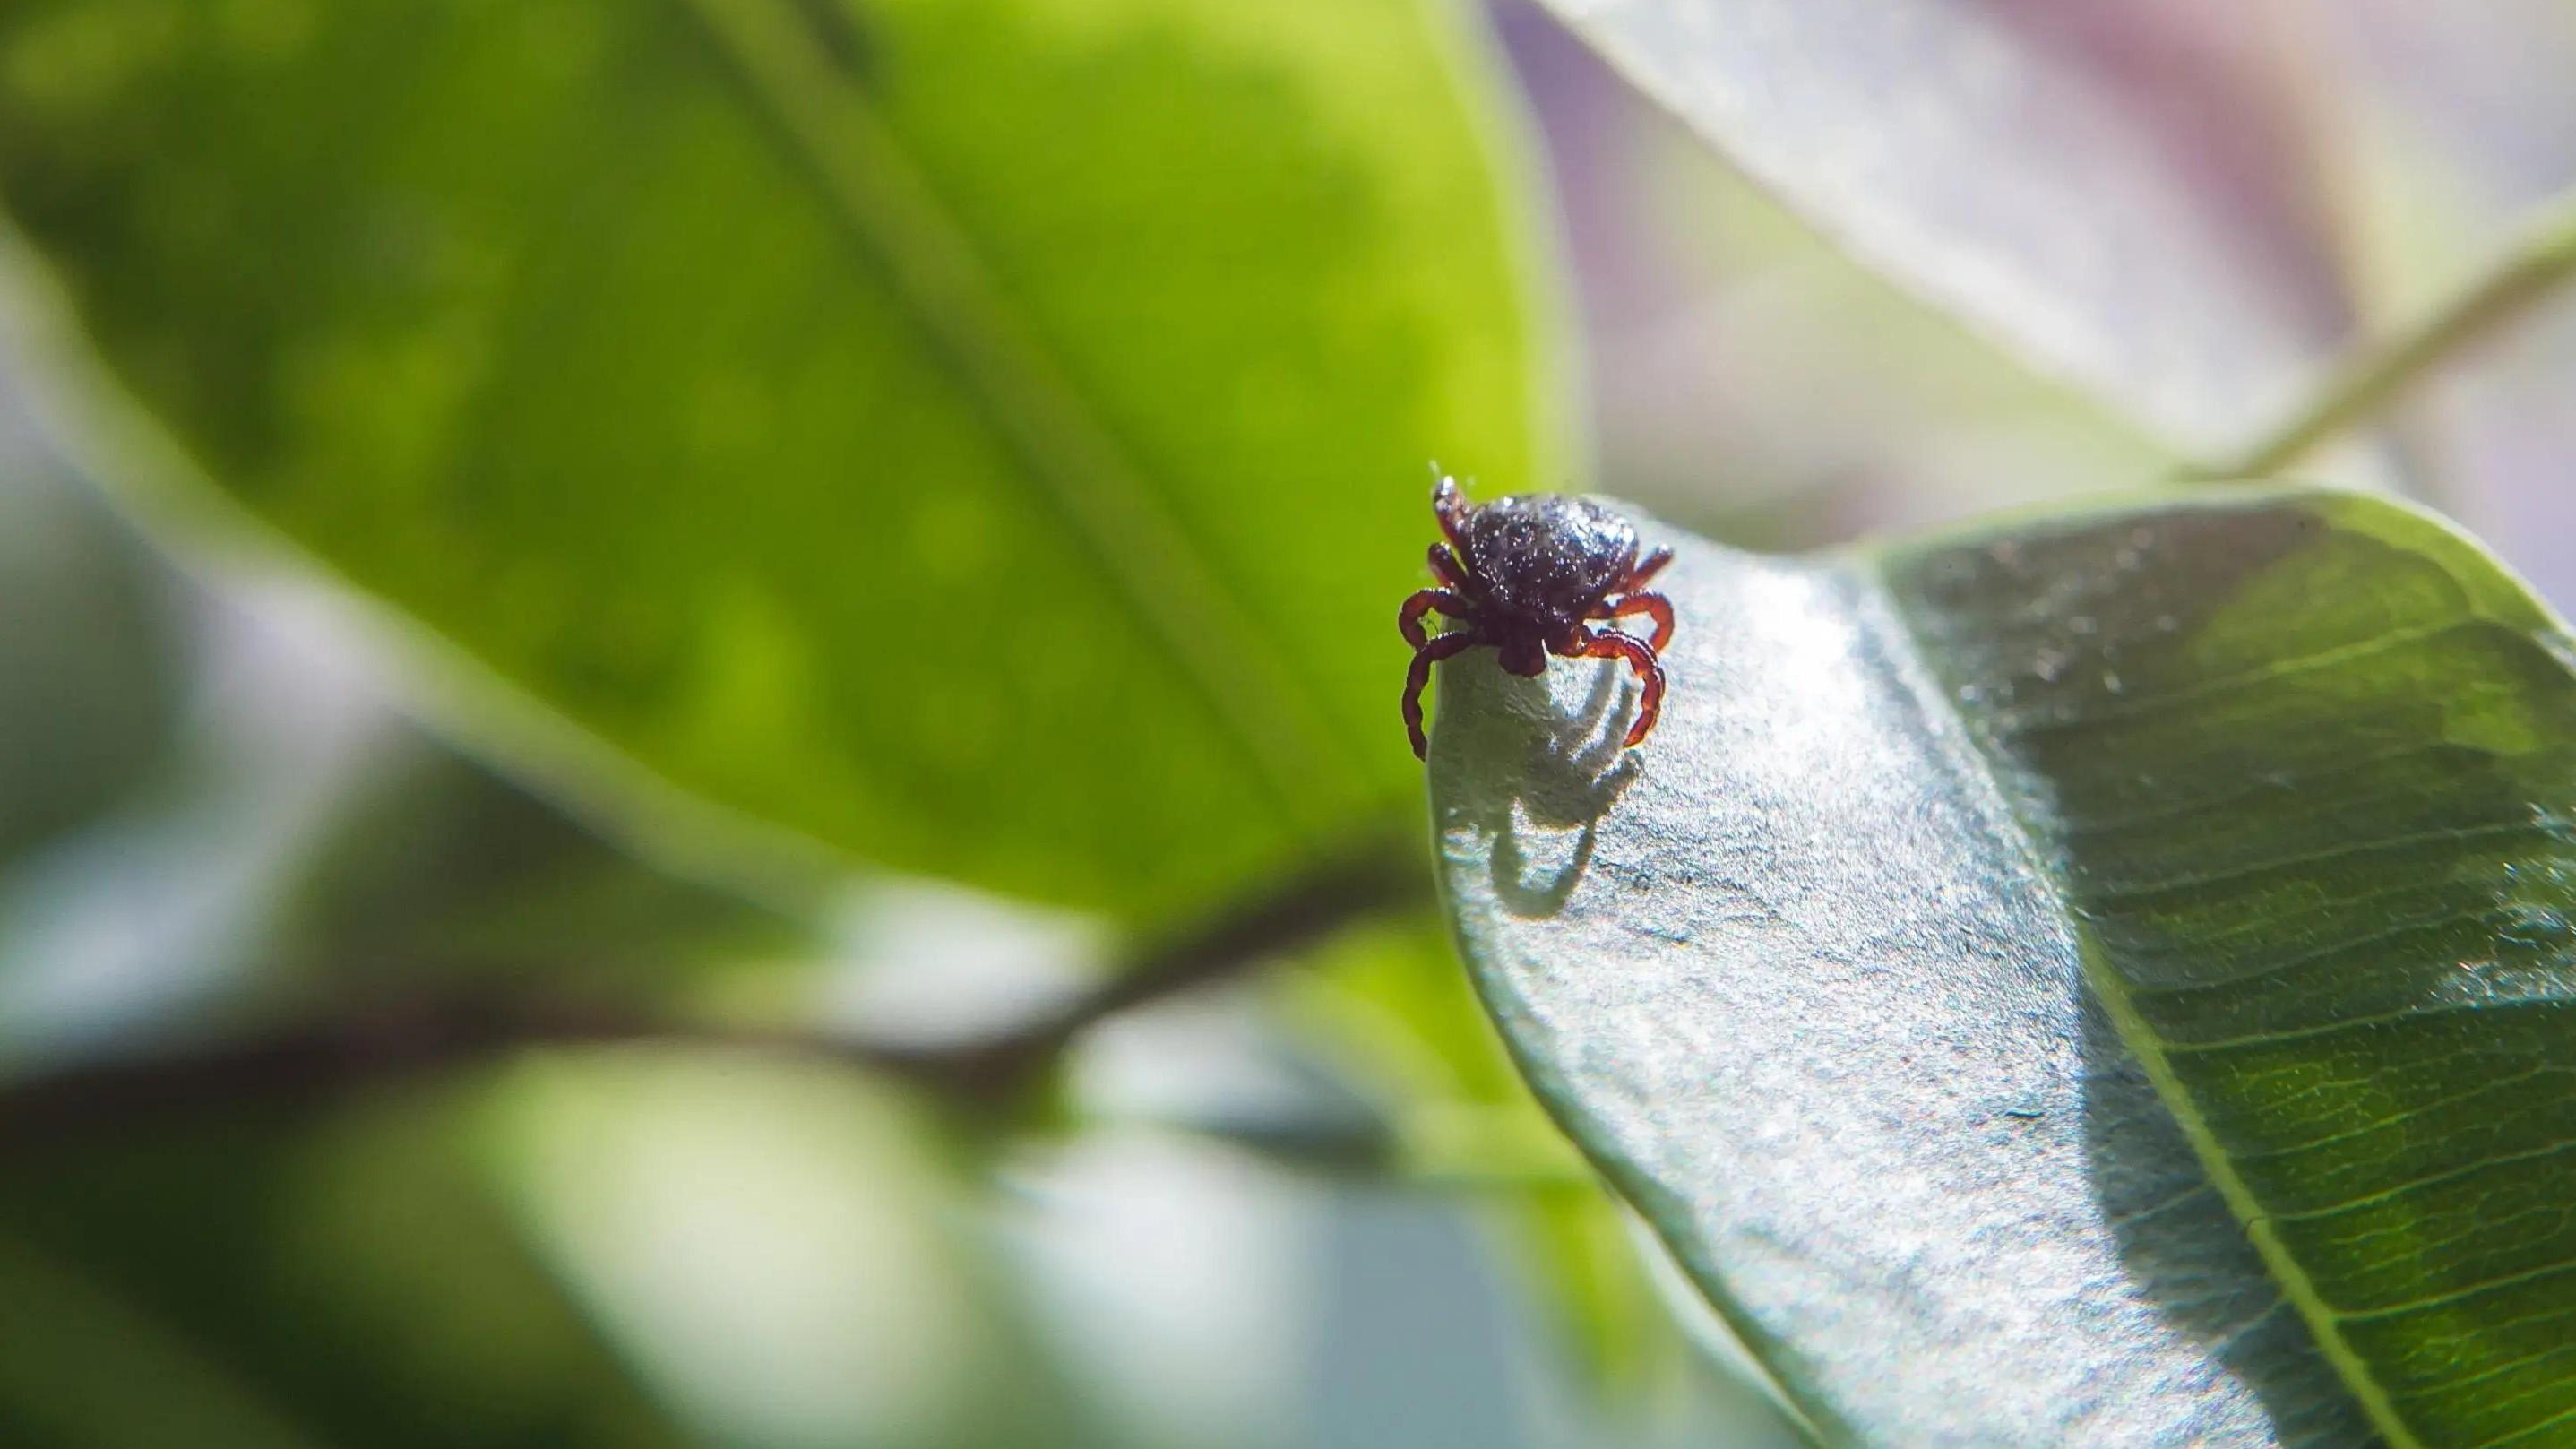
(1653, 606)
(1420, 675)
(1611, 644)
(1409, 618)
(1446, 568)
(1647, 567)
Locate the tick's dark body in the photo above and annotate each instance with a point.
(1528, 575)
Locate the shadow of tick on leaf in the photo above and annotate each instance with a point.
(1550, 777)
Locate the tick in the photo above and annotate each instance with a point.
(1529, 575)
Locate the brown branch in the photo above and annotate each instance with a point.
(307, 1062)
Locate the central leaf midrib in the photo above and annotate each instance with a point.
(1066, 452)
(1883, 615)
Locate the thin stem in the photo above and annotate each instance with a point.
(2527, 274)
(319, 1060)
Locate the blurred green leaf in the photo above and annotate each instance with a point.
(986, 436)
(1997, 924)
(609, 1249)
(90, 655)
(2123, 193)
(437, 870)
(776, 1247)
(296, 848)
(339, 1282)
(71, 1356)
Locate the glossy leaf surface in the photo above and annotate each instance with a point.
(983, 437)
(1996, 924)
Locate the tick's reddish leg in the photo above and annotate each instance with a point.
(1446, 568)
(1451, 507)
(1611, 644)
(1653, 606)
(1409, 618)
(1420, 675)
(1652, 565)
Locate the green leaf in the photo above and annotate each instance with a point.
(297, 848)
(608, 1249)
(1997, 924)
(985, 437)
(2123, 194)
(780, 1250)
(436, 872)
(298, 1284)
(75, 1353)
(90, 682)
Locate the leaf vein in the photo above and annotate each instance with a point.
(2417, 1012)
(2022, 725)
(2382, 1124)
(2132, 890)
(2435, 1179)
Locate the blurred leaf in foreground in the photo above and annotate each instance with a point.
(776, 1250)
(610, 1249)
(2463, 141)
(980, 436)
(1996, 925)
(298, 848)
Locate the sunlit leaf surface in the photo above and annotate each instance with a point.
(1996, 924)
(983, 437)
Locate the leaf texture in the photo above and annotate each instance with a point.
(2092, 979)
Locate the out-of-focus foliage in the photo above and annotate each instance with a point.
(2127, 193)
(212, 803)
(633, 1249)
(286, 847)
(89, 661)
(718, 374)
(982, 437)
(1406, 1026)
(349, 1281)
(2459, 132)
(988, 438)
(1755, 383)
(778, 1251)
